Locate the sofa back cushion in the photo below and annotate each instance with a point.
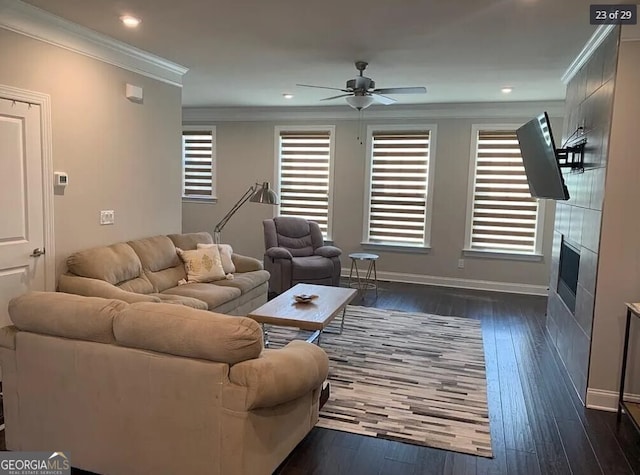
(184, 331)
(190, 241)
(117, 264)
(66, 315)
(299, 236)
(160, 261)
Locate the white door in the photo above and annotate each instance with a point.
(21, 203)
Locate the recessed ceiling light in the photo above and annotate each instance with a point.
(288, 96)
(130, 21)
(507, 90)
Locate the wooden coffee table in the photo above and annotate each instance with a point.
(284, 311)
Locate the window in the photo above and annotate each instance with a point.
(305, 171)
(198, 163)
(399, 182)
(502, 216)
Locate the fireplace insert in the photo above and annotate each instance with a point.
(568, 274)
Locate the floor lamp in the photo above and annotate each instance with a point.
(257, 193)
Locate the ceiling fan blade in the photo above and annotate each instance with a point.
(323, 87)
(335, 97)
(401, 90)
(383, 99)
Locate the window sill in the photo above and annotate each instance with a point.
(396, 248)
(198, 200)
(512, 256)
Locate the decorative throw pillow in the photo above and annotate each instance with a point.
(202, 265)
(225, 255)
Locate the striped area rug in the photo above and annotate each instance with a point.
(410, 377)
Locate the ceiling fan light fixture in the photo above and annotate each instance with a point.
(360, 102)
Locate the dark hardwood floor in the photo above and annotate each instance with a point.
(538, 424)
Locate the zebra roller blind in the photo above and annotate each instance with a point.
(198, 159)
(305, 176)
(398, 189)
(504, 213)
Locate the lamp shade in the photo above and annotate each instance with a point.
(265, 195)
(360, 102)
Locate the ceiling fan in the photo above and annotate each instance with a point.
(361, 92)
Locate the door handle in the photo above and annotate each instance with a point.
(37, 252)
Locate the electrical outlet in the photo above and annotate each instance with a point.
(460, 263)
(107, 216)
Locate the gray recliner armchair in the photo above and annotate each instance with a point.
(295, 252)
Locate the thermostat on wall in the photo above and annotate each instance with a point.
(62, 179)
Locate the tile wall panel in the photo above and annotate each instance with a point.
(584, 310)
(588, 104)
(588, 269)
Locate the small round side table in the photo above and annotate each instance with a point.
(370, 279)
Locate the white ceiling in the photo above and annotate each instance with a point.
(248, 53)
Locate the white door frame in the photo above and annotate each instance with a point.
(44, 101)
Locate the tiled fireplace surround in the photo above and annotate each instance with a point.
(588, 104)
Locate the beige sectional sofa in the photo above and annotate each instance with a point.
(149, 270)
(153, 388)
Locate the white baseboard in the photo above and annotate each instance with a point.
(607, 400)
(488, 285)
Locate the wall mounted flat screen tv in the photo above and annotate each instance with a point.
(540, 159)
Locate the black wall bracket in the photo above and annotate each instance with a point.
(572, 156)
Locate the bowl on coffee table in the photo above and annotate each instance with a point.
(305, 298)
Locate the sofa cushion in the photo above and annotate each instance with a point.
(184, 331)
(190, 240)
(182, 300)
(117, 264)
(74, 284)
(202, 265)
(246, 302)
(160, 261)
(66, 315)
(311, 268)
(245, 281)
(214, 295)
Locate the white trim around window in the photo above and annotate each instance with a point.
(199, 171)
(323, 180)
(429, 131)
(509, 176)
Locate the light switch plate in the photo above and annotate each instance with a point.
(107, 216)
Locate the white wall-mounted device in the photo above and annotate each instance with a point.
(107, 216)
(61, 178)
(134, 93)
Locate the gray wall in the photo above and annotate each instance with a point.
(246, 154)
(119, 155)
(588, 104)
(619, 263)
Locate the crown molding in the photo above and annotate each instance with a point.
(472, 110)
(36, 23)
(589, 48)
